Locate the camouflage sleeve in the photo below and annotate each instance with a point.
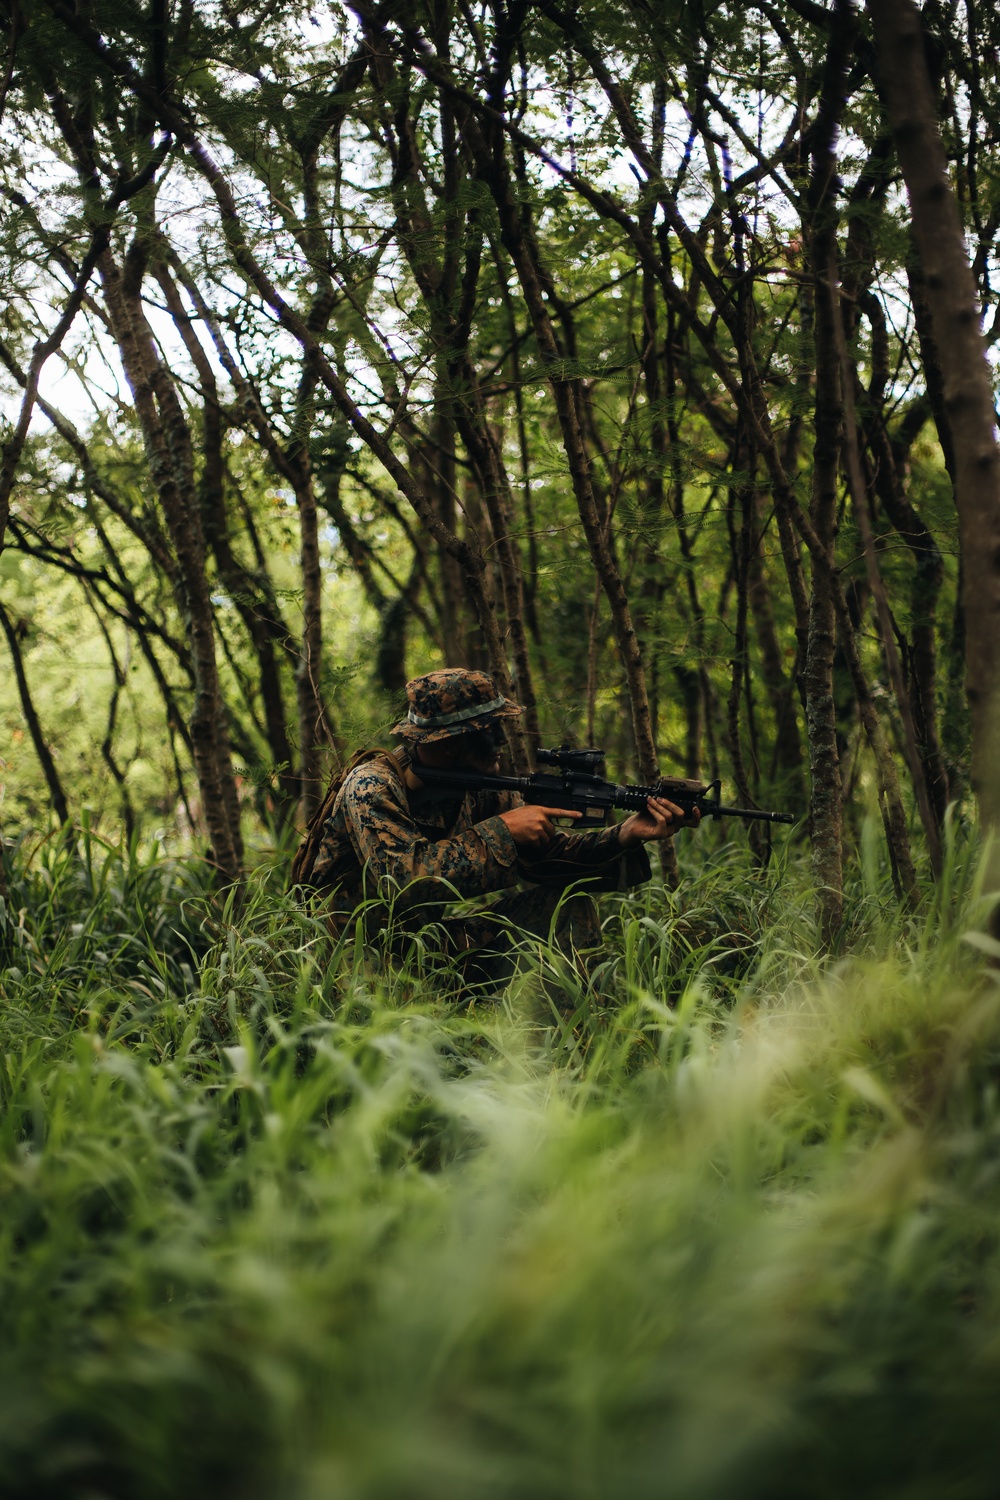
(596, 855)
(579, 856)
(593, 848)
(392, 848)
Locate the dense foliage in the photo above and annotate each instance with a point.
(708, 1221)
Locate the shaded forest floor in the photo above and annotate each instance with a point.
(717, 1219)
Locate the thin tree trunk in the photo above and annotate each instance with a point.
(826, 804)
(779, 686)
(651, 355)
(484, 451)
(788, 541)
(312, 724)
(313, 729)
(889, 485)
(262, 620)
(955, 719)
(859, 497)
(12, 449)
(740, 680)
(42, 750)
(691, 697)
(107, 744)
(168, 447)
(742, 540)
(593, 637)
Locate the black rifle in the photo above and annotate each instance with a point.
(575, 785)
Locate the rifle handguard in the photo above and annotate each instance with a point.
(707, 797)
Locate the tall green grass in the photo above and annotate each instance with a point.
(709, 1216)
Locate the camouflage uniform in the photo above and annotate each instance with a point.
(421, 850)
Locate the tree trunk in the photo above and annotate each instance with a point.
(821, 720)
(484, 451)
(826, 803)
(312, 727)
(779, 686)
(859, 497)
(253, 597)
(951, 295)
(42, 750)
(889, 485)
(163, 433)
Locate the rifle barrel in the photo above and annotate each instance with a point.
(713, 810)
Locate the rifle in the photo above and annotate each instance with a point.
(575, 785)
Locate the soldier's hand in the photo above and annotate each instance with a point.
(532, 827)
(660, 821)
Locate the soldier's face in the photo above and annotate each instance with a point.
(474, 752)
(478, 751)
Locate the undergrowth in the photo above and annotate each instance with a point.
(706, 1215)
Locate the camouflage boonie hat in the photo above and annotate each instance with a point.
(453, 701)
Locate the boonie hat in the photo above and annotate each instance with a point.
(452, 701)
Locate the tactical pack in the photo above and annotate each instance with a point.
(304, 863)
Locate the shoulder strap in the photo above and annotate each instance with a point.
(305, 856)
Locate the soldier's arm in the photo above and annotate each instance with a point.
(596, 847)
(596, 855)
(600, 847)
(392, 848)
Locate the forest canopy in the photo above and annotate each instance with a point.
(615, 349)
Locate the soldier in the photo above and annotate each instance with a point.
(383, 834)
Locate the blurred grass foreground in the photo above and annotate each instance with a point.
(714, 1219)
